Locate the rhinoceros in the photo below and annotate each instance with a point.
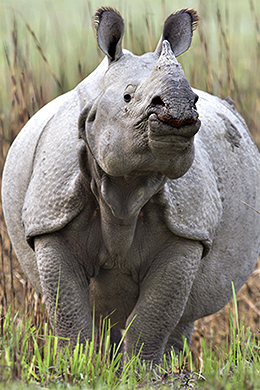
(129, 195)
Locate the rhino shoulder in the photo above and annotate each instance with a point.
(53, 196)
(193, 206)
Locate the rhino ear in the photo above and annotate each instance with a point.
(178, 29)
(109, 26)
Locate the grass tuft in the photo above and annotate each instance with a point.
(30, 356)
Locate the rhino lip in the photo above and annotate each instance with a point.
(187, 127)
(175, 122)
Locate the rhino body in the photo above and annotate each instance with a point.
(111, 192)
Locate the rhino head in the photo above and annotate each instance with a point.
(145, 118)
(140, 129)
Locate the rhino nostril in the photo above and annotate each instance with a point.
(157, 101)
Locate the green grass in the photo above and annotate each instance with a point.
(235, 365)
(29, 359)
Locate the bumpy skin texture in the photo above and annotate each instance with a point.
(142, 216)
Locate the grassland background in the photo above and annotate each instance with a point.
(64, 31)
(48, 46)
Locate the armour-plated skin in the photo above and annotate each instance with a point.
(127, 193)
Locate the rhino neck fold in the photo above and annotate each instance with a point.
(117, 234)
(121, 200)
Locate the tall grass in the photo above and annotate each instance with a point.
(47, 51)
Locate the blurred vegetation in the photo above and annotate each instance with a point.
(48, 46)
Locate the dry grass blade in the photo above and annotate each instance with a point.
(163, 12)
(4, 302)
(250, 206)
(131, 38)
(256, 110)
(25, 97)
(37, 43)
(230, 71)
(257, 27)
(226, 42)
(149, 34)
(12, 281)
(250, 304)
(14, 82)
(220, 55)
(207, 61)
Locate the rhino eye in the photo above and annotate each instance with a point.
(127, 97)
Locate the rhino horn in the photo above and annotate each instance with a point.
(166, 57)
(109, 26)
(178, 30)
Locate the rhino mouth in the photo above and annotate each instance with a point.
(168, 136)
(162, 123)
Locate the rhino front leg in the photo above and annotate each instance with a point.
(163, 296)
(61, 269)
(175, 339)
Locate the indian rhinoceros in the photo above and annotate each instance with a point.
(123, 198)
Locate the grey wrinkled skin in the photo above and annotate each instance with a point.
(120, 194)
